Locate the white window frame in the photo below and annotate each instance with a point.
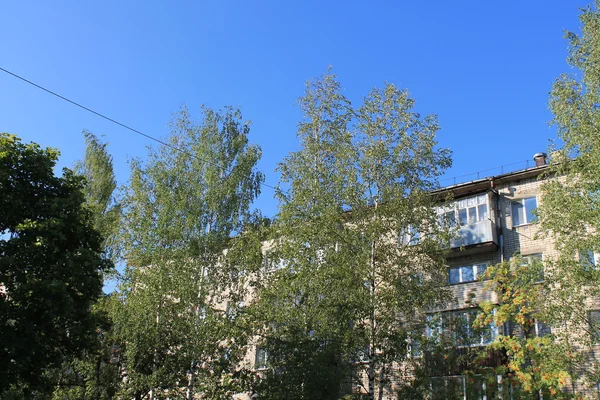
(530, 258)
(409, 236)
(362, 356)
(473, 202)
(475, 269)
(264, 364)
(470, 315)
(527, 218)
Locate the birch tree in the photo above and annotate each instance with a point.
(569, 212)
(181, 209)
(359, 251)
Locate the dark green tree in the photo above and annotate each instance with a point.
(51, 267)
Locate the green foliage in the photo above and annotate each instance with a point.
(96, 374)
(51, 267)
(536, 362)
(347, 284)
(97, 169)
(570, 210)
(180, 212)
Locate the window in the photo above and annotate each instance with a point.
(589, 259)
(535, 260)
(261, 360)
(458, 327)
(232, 310)
(467, 273)
(467, 211)
(467, 387)
(272, 264)
(594, 316)
(418, 278)
(523, 211)
(542, 329)
(447, 387)
(539, 329)
(410, 235)
(362, 355)
(414, 348)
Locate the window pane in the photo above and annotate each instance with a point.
(483, 212)
(532, 258)
(462, 328)
(467, 274)
(518, 213)
(530, 206)
(482, 199)
(462, 216)
(432, 326)
(261, 358)
(481, 268)
(451, 219)
(472, 215)
(488, 334)
(543, 329)
(471, 201)
(595, 324)
(415, 234)
(462, 203)
(453, 276)
(415, 348)
(587, 259)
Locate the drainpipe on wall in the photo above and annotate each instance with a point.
(498, 218)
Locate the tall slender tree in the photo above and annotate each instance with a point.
(569, 211)
(95, 374)
(348, 290)
(181, 209)
(99, 190)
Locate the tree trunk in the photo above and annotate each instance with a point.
(381, 378)
(371, 372)
(190, 388)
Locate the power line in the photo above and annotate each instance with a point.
(117, 122)
(181, 150)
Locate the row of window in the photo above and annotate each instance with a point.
(475, 209)
(475, 272)
(472, 210)
(478, 387)
(467, 273)
(457, 327)
(465, 211)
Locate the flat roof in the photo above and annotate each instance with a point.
(479, 185)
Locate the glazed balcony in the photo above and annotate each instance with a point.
(472, 238)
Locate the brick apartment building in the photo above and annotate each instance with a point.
(495, 221)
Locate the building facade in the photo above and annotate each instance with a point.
(495, 220)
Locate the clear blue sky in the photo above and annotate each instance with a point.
(484, 67)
